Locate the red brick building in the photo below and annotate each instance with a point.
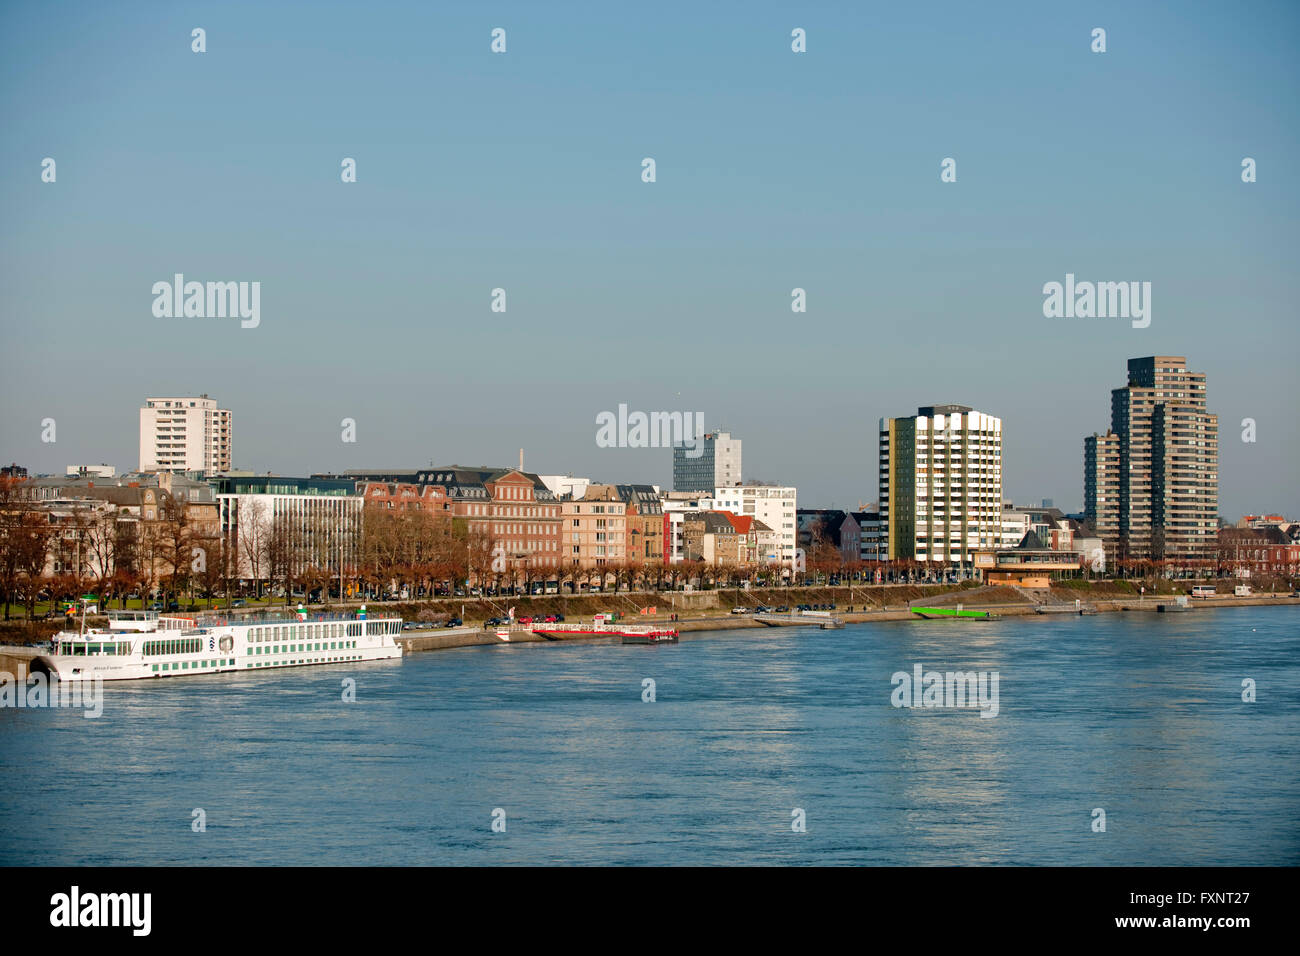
(513, 509)
(1258, 550)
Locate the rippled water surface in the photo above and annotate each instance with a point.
(1140, 715)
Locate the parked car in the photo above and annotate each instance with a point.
(549, 619)
(497, 621)
(783, 609)
(559, 618)
(455, 622)
(156, 606)
(239, 602)
(762, 609)
(740, 610)
(410, 625)
(525, 620)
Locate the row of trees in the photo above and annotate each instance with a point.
(108, 549)
(59, 554)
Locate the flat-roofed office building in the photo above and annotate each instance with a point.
(716, 466)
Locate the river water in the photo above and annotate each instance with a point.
(750, 733)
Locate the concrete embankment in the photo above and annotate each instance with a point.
(468, 637)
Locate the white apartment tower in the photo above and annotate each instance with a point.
(184, 434)
(773, 505)
(941, 485)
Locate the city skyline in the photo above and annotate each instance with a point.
(637, 473)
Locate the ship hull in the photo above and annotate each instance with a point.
(658, 637)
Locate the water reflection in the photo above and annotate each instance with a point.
(1140, 715)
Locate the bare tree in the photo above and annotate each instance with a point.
(253, 541)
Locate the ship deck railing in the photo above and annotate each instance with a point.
(254, 618)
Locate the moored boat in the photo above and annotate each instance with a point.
(141, 644)
(628, 633)
(648, 636)
(935, 613)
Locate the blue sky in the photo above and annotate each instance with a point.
(522, 171)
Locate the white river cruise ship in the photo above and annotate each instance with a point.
(141, 644)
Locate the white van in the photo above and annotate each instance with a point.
(1242, 590)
